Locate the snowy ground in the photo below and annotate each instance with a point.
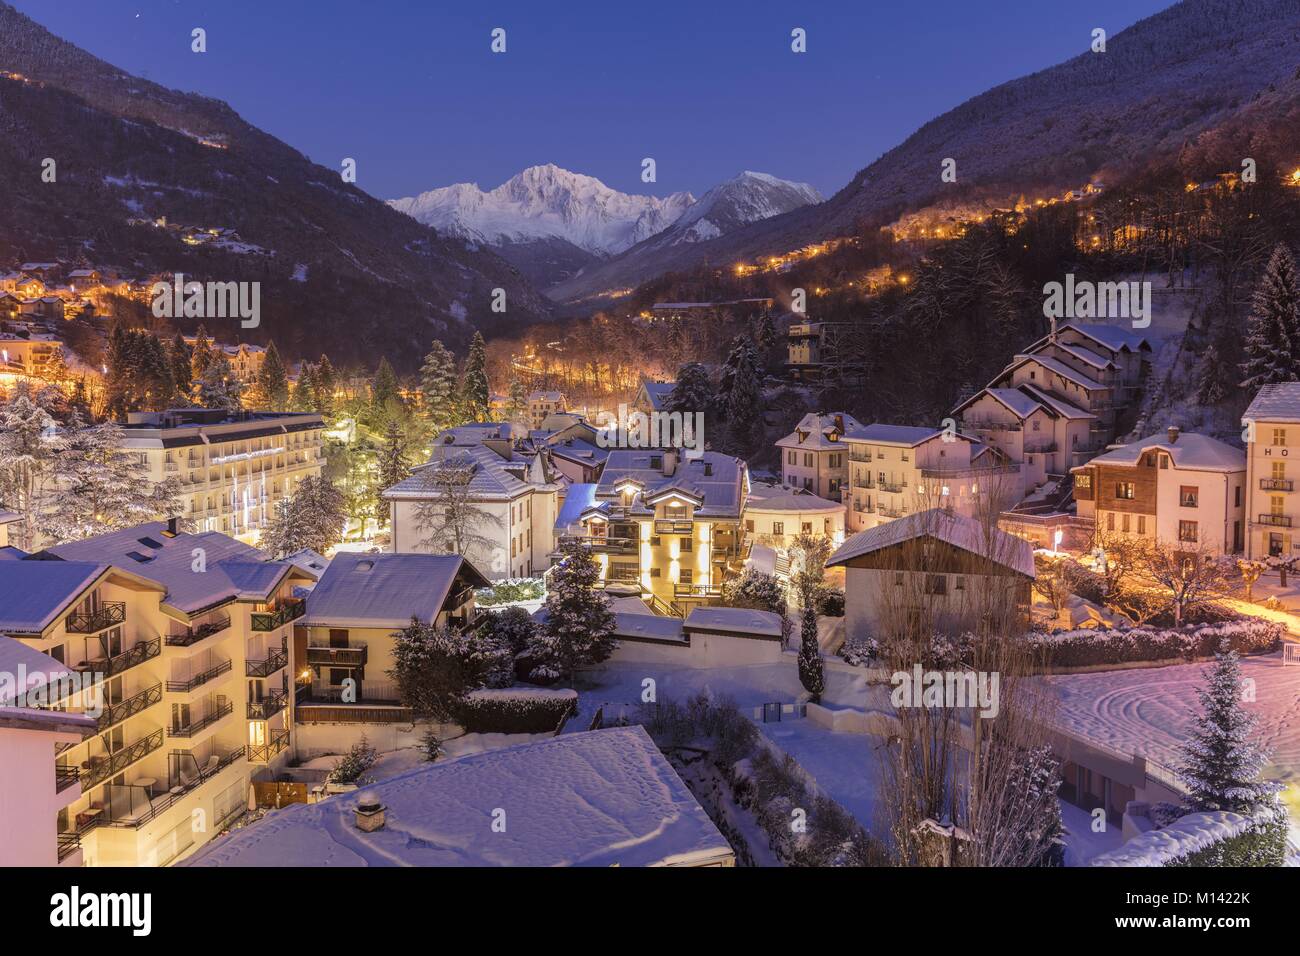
(392, 763)
(1151, 712)
(1081, 844)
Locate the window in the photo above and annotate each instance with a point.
(338, 637)
(1083, 481)
(1125, 520)
(1236, 496)
(749, 524)
(1187, 531)
(936, 584)
(1279, 436)
(807, 459)
(778, 527)
(1188, 496)
(1279, 469)
(654, 572)
(791, 457)
(1164, 462)
(686, 576)
(1125, 490)
(338, 675)
(898, 579)
(687, 545)
(1036, 424)
(960, 583)
(1142, 524)
(806, 527)
(655, 541)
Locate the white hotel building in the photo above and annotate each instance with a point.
(232, 468)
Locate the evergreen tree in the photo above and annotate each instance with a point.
(1220, 764)
(200, 355)
(1213, 385)
(438, 386)
(579, 626)
(303, 396)
(101, 487)
(384, 389)
(325, 382)
(474, 383)
(812, 672)
(518, 404)
(434, 668)
(392, 465)
(28, 449)
(182, 368)
(273, 381)
(692, 392)
(218, 387)
(313, 517)
(745, 403)
(1273, 329)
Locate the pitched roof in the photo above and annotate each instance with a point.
(577, 499)
(1053, 365)
(657, 392)
(33, 594)
(734, 620)
(814, 430)
(910, 435)
(385, 590)
(594, 798)
(36, 669)
(1192, 451)
(722, 490)
(1275, 403)
(491, 477)
(957, 530)
(1114, 337)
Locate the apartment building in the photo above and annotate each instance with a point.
(233, 467)
(32, 354)
(344, 644)
(668, 527)
(1056, 404)
(32, 794)
(543, 404)
(816, 351)
(487, 501)
(245, 360)
(651, 396)
(1182, 490)
(1272, 509)
(895, 470)
(184, 639)
(774, 516)
(814, 456)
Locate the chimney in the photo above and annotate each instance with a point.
(173, 526)
(369, 812)
(1173, 434)
(839, 423)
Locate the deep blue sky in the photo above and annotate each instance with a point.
(708, 88)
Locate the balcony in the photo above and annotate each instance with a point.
(1276, 521)
(697, 591)
(199, 679)
(98, 769)
(197, 633)
(268, 708)
(91, 622)
(603, 544)
(337, 656)
(892, 488)
(119, 663)
(194, 726)
(186, 782)
(262, 753)
(268, 666)
(69, 843)
(65, 776)
(1276, 484)
(116, 713)
(289, 609)
(673, 526)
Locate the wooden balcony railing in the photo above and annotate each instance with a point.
(198, 632)
(338, 656)
(116, 713)
(199, 679)
(289, 609)
(265, 668)
(119, 663)
(268, 708)
(262, 753)
(101, 768)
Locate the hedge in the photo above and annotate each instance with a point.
(516, 710)
(1125, 645)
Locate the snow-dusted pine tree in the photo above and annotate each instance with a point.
(812, 672)
(1221, 765)
(217, 386)
(1213, 384)
(474, 392)
(28, 448)
(745, 403)
(438, 386)
(579, 626)
(312, 518)
(1273, 329)
(392, 464)
(692, 392)
(99, 487)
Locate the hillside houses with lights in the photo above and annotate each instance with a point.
(1272, 510)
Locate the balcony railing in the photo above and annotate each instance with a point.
(892, 487)
(1276, 484)
(69, 843)
(118, 663)
(90, 622)
(268, 708)
(1277, 521)
(602, 543)
(265, 668)
(129, 707)
(198, 632)
(696, 590)
(199, 679)
(166, 801)
(194, 726)
(65, 776)
(101, 768)
(338, 656)
(262, 753)
(673, 526)
(290, 609)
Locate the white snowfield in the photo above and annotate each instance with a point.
(596, 798)
(1152, 711)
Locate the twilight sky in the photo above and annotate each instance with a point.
(708, 88)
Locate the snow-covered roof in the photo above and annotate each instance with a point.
(385, 590)
(957, 530)
(722, 489)
(491, 477)
(1114, 337)
(1052, 365)
(34, 593)
(787, 500)
(38, 669)
(1275, 403)
(814, 431)
(637, 626)
(1190, 451)
(910, 435)
(1057, 406)
(577, 499)
(231, 570)
(657, 392)
(313, 562)
(734, 620)
(596, 798)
